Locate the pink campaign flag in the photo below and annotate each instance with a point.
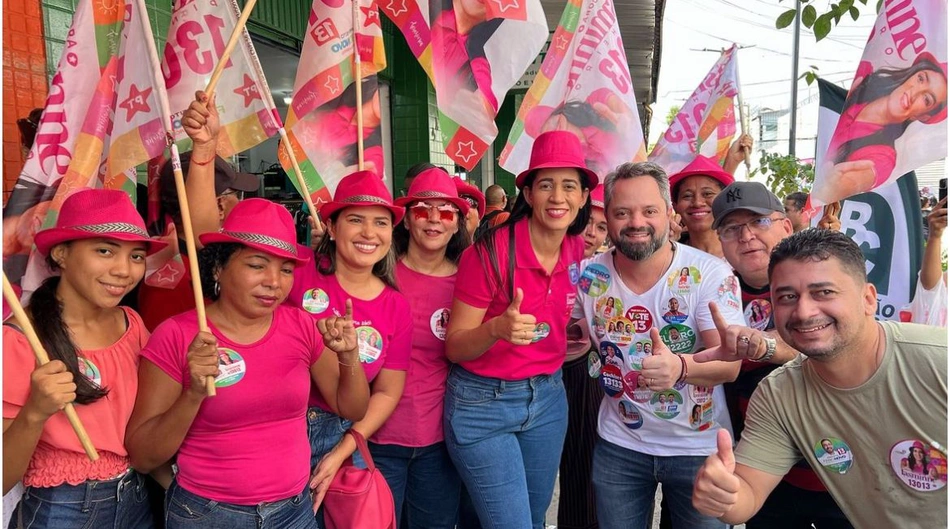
(894, 119)
(102, 118)
(706, 123)
(584, 86)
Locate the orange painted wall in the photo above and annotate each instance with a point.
(24, 78)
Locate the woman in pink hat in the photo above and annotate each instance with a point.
(409, 448)
(355, 261)
(243, 455)
(505, 410)
(476, 204)
(98, 248)
(693, 190)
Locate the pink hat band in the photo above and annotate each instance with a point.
(362, 188)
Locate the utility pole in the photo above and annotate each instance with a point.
(794, 108)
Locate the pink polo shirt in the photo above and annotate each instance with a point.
(383, 324)
(417, 419)
(248, 444)
(549, 297)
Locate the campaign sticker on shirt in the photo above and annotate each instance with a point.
(595, 280)
(315, 301)
(610, 355)
(728, 292)
(569, 303)
(919, 466)
(700, 416)
(679, 338)
(574, 273)
(629, 415)
(759, 314)
(700, 394)
(371, 344)
(638, 351)
(683, 280)
(593, 364)
(231, 366)
(608, 307)
(620, 330)
(667, 404)
(635, 386)
(834, 454)
(677, 312)
(641, 318)
(541, 331)
(611, 381)
(439, 323)
(90, 371)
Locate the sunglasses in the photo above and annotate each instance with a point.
(420, 210)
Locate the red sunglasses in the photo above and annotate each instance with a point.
(420, 210)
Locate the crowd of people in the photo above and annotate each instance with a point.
(484, 351)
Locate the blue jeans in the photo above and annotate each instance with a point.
(505, 438)
(424, 479)
(324, 429)
(118, 503)
(625, 484)
(185, 509)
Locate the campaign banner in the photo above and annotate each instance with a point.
(886, 223)
(706, 123)
(322, 119)
(893, 120)
(584, 86)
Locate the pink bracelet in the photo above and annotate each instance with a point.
(684, 372)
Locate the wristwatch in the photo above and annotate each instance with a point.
(771, 345)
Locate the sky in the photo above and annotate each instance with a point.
(765, 68)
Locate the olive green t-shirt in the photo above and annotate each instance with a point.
(878, 448)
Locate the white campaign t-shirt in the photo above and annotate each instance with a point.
(681, 421)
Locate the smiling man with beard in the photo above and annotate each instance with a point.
(869, 390)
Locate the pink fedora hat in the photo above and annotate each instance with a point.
(467, 189)
(597, 197)
(434, 183)
(362, 188)
(259, 224)
(702, 166)
(556, 149)
(92, 213)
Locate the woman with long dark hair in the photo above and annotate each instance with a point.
(98, 248)
(505, 408)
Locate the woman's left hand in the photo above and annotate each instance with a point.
(324, 473)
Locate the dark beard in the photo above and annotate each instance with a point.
(639, 251)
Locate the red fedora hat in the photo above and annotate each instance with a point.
(467, 189)
(362, 188)
(556, 149)
(259, 224)
(94, 213)
(702, 166)
(434, 183)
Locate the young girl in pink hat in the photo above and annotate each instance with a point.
(98, 248)
(243, 455)
(355, 261)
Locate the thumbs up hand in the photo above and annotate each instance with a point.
(513, 326)
(716, 489)
(662, 368)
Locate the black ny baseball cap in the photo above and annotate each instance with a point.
(750, 196)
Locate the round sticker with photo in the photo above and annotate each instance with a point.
(641, 318)
(541, 331)
(638, 351)
(919, 466)
(667, 404)
(683, 280)
(678, 338)
(620, 330)
(611, 381)
(594, 281)
(439, 323)
(635, 386)
(593, 364)
(759, 314)
(728, 292)
(700, 394)
(608, 307)
(574, 273)
(231, 367)
(700, 416)
(629, 415)
(834, 454)
(315, 301)
(90, 371)
(371, 344)
(677, 311)
(610, 355)
(600, 326)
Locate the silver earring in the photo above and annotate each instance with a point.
(217, 289)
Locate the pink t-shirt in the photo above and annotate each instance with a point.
(383, 324)
(248, 444)
(59, 458)
(884, 157)
(417, 419)
(549, 297)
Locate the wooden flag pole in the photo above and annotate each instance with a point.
(301, 183)
(232, 42)
(358, 79)
(42, 359)
(743, 120)
(180, 186)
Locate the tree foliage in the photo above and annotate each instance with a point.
(671, 114)
(821, 23)
(785, 173)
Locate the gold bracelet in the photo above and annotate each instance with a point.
(348, 365)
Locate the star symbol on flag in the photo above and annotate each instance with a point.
(505, 5)
(397, 8)
(468, 155)
(248, 90)
(561, 42)
(165, 274)
(372, 15)
(136, 102)
(332, 84)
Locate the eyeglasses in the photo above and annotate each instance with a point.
(420, 210)
(238, 194)
(759, 225)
